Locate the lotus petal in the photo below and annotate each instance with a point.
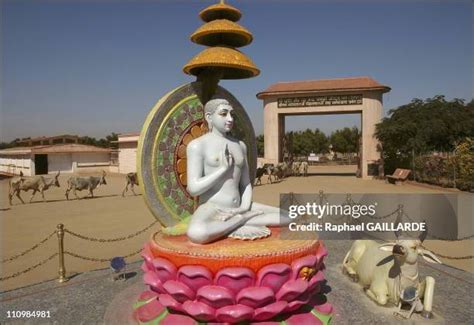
(308, 261)
(147, 256)
(301, 300)
(315, 282)
(199, 310)
(147, 295)
(149, 311)
(154, 282)
(234, 314)
(274, 276)
(174, 319)
(256, 297)
(215, 296)
(294, 305)
(303, 318)
(235, 278)
(292, 289)
(168, 301)
(269, 311)
(194, 276)
(179, 291)
(325, 308)
(319, 302)
(145, 267)
(164, 269)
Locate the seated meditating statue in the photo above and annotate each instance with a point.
(218, 172)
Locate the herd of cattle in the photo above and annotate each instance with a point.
(42, 183)
(281, 170)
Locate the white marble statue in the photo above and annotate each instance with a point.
(218, 173)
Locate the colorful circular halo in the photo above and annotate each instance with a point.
(175, 120)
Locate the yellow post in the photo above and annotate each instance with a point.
(62, 269)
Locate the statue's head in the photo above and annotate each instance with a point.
(219, 115)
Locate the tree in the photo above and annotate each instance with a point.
(11, 144)
(345, 140)
(308, 141)
(88, 140)
(421, 127)
(103, 142)
(260, 145)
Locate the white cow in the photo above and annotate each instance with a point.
(303, 170)
(386, 271)
(132, 180)
(37, 183)
(90, 183)
(295, 167)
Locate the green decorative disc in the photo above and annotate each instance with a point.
(175, 120)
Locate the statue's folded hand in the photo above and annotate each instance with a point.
(223, 217)
(231, 211)
(225, 214)
(251, 213)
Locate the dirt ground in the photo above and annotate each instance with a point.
(109, 215)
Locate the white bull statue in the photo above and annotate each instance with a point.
(389, 272)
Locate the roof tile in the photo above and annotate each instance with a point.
(342, 84)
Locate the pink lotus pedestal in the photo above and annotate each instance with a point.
(233, 281)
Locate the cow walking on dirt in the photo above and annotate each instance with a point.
(132, 180)
(303, 169)
(264, 170)
(90, 183)
(36, 184)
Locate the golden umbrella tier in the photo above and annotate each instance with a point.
(220, 11)
(222, 32)
(229, 63)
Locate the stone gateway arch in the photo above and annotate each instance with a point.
(361, 95)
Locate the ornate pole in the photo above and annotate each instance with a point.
(62, 268)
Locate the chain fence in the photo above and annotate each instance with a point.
(322, 198)
(60, 234)
(92, 259)
(467, 257)
(110, 240)
(32, 248)
(14, 275)
(400, 213)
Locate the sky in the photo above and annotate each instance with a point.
(92, 67)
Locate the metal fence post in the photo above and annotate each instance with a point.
(321, 197)
(62, 268)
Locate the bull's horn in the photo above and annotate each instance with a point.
(424, 234)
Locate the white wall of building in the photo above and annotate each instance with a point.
(13, 164)
(60, 162)
(127, 153)
(127, 157)
(69, 162)
(90, 162)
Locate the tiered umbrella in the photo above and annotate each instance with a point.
(220, 60)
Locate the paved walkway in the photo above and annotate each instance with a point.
(85, 298)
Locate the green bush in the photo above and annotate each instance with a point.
(435, 170)
(464, 163)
